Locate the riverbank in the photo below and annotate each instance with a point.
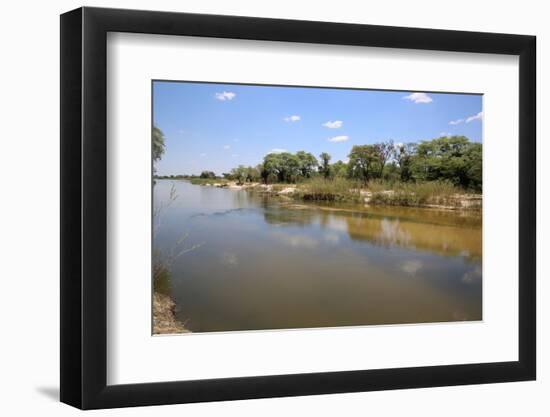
(424, 195)
(164, 316)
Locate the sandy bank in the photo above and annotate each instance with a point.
(164, 317)
(387, 197)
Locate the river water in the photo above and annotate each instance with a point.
(243, 261)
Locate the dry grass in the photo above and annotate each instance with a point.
(164, 316)
(211, 181)
(337, 189)
(415, 194)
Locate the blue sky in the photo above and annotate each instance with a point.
(219, 126)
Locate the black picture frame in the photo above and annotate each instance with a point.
(84, 207)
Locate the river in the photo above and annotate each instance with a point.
(243, 261)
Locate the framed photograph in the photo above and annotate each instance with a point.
(256, 208)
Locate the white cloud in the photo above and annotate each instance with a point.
(202, 154)
(277, 150)
(226, 147)
(456, 122)
(226, 95)
(293, 118)
(445, 134)
(419, 98)
(478, 116)
(337, 139)
(334, 125)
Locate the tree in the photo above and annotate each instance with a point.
(324, 169)
(270, 168)
(362, 160)
(158, 144)
(289, 168)
(453, 158)
(207, 175)
(239, 174)
(384, 151)
(339, 169)
(391, 172)
(306, 163)
(403, 156)
(284, 167)
(474, 166)
(253, 174)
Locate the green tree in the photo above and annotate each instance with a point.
(339, 169)
(283, 167)
(384, 151)
(324, 169)
(452, 158)
(290, 167)
(404, 154)
(391, 172)
(207, 175)
(253, 174)
(474, 166)
(306, 163)
(363, 160)
(239, 174)
(157, 139)
(270, 168)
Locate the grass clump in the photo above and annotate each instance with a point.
(336, 189)
(204, 181)
(415, 193)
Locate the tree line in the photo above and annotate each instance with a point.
(454, 159)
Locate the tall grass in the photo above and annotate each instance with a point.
(414, 193)
(320, 189)
(204, 181)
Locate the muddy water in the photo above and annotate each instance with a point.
(242, 261)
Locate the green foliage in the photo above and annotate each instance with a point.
(339, 169)
(391, 172)
(368, 161)
(207, 175)
(454, 158)
(157, 139)
(324, 169)
(158, 143)
(383, 151)
(286, 167)
(243, 174)
(306, 163)
(403, 155)
(363, 160)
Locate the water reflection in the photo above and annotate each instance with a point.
(271, 263)
(448, 234)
